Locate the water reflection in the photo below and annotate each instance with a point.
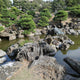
(74, 54)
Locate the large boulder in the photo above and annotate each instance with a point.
(75, 65)
(47, 68)
(49, 50)
(32, 51)
(13, 50)
(2, 53)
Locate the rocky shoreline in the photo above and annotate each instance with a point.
(39, 54)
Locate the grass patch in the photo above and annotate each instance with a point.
(26, 41)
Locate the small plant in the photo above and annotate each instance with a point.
(1, 28)
(26, 41)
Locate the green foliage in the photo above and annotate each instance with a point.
(2, 5)
(61, 16)
(26, 23)
(75, 11)
(16, 11)
(7, 3)
(36, 5)
(58, 5)
(62, 4)
(71, 3)
(7, 18)
(31, 12)
(45, 12)
(1, 28)
(43, 22)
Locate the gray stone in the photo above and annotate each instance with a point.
(73, 32)
(69, 77)
(20, 36)
(37, 32)
(2, 53)
(75, 65)
(32, 51)
(12, 37)
(48, 68)
(64, 46)
(8, 35)
(3, 59)
(12, 49)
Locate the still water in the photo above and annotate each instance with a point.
(4, 44)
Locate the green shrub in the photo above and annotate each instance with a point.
(45, 12)
(75, 11)
(26, 23)
(61, 15)
(7, 17)
(16, 11)
(31, 12)
(43, 22)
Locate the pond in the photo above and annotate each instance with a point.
(73, 51)
(4, 44)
